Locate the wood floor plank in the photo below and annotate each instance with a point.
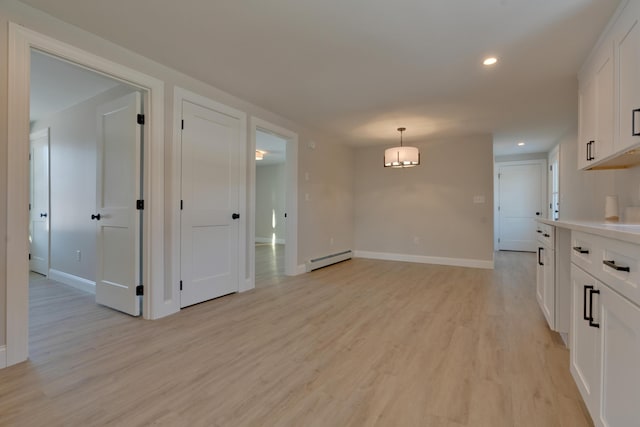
(361, 343)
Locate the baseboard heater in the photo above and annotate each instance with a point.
(324, 261)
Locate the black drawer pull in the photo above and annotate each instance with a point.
(591, 322)
(540, 256)
(546, 235)
(539, 232)
(613, 265)
(585, 316)
(580, 250)
(633, 122)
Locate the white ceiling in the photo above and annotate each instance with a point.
(57, 85)
(359, 69)
(275, 148)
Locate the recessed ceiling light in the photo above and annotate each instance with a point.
(490, 61)
(521, 144)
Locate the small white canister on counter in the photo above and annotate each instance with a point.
(611, 209)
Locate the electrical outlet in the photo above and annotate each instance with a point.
(416, 240)
(78, 255)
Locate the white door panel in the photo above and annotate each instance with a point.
(521, 202)
(118, 188)
(39, 206)
(210, 196)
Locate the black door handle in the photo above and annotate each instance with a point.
(591, 322)
(612, 264)
(540, 256)
(585, 316)
(43, 215)
(235, 216)
(96, 217)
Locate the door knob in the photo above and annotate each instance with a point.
(537, 213)
(235, 216)
(96, 217)
(43, 215)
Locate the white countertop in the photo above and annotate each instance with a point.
(620, 231)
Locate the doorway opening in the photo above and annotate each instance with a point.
(271, 210)
(150, 90)
(85, 169)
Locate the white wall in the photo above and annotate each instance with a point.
(73, 137)
(583, 193)
(270, 197)
(427, 210)
(328, 212)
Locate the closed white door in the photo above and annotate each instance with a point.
(521, 191)
(210, 199)
(39, 206)
(118, 221)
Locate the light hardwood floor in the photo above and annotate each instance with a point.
(360, 343)
(269, 264)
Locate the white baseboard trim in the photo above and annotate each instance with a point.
(73, 281)
(3, 356)
(269, 240)
(456, 262)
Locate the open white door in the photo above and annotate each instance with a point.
(39, 206)
(118, 221)
(521, 200)
(209, 222)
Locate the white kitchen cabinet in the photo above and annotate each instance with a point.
(627, 53)
(605, 327)
(545, 273)
(620, 355)
(584, 339)
(587, 121)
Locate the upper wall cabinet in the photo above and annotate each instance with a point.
(596, 100)
(609, 96)
(627, 50)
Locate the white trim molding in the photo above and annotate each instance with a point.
(3, 356)
(73, 281)
(455, 262)
(21, 41)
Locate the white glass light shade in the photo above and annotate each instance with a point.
(401, 157)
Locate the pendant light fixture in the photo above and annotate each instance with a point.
(401, 157)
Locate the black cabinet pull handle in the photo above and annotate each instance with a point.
(591, 322)
(43, 215)
(585, 316)
(612, 264)
(546, 235)
(96, 217)
(633, 122)
(235, 216)
(588, 151)
(539, 231)
(540, 256)
(580, 250)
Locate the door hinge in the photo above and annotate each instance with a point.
(499, 175)
(181, 204)
(140, 205)
(29, 257)
(551, 168)
(182, 124)
(498, 240)
(139, 290)
(29, 206)
(180, 284)
(140, 119)
(498, 208)
(550, 206)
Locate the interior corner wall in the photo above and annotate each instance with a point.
(4, 141)
(427, 210)
(72, 147)
(583, 193)
(270, 202)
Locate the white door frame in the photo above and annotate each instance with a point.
(496, 192)
(21, 41)
(291, 246)
(180, 95)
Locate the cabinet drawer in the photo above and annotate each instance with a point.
(584, 250)
(617, 264)
(546, 234)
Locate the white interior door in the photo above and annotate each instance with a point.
(117, 219)
(210, 201)
(39, 206)
(521, 199)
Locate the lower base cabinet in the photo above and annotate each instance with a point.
(605, 341)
